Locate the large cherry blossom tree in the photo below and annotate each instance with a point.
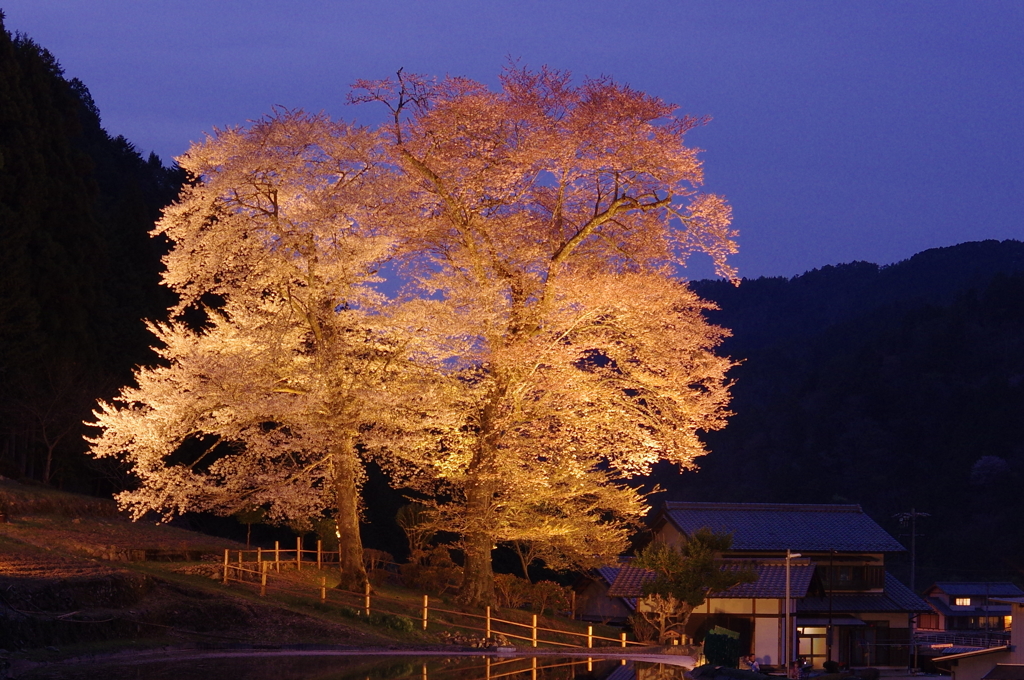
(552, 220)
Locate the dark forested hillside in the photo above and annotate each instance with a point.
(78, 271)
(894, 387)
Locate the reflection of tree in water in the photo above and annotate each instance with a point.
(520, 668)
(657, 671)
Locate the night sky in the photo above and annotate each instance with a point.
(843, 130)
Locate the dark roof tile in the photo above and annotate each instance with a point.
(776, 526)
(771, 581)
(978, 588)
(895, 597)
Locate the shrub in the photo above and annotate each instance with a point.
(436, 574)
(392, 621)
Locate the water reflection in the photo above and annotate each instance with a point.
(317, 666)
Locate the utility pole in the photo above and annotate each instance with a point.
(787, 640)
(904, 518)
(831, 587)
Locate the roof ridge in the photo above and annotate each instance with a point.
(795, 507)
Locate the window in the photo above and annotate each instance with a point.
(1007, 622)
(962, 602)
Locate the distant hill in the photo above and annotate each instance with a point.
(893, 387)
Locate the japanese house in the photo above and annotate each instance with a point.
(1004, 662)
(843, 604)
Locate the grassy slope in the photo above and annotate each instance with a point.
(68, 581)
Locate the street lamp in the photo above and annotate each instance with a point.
(787, 640)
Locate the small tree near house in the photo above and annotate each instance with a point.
(683, 578)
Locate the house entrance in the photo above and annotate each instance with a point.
(811, 644)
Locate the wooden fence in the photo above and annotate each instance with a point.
(257, 571)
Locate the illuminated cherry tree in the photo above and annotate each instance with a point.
(551, 219)
(263, 405)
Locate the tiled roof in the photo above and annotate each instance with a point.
(978, 589)
(629, 582)
(771, 581)
(608, 574)
(773, 526)
(1013, 600)
(895, 598)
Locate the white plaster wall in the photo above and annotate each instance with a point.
(974, 667)
(766, 641)
(670, 535)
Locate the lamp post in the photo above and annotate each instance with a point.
(787, 640)
(911, 517)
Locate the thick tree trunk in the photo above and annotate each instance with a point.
(477, 588)
(350, 545)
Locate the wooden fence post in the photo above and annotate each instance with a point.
(225, 566)
(277, 556)
(263, 579)
(298, 553)
(366, 597)
(259, 557)
(323, 588)
(533, 667)
(534, 634)
(590, 664)
(488, 622)
(319, 553)
(590, 636)
(623, 639)
(426, 608)
(241, 574)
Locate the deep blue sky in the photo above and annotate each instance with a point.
(843, 129)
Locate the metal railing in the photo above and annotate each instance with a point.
(979, 639)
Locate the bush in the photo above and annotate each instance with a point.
(392, 621)
(435, 574)
(548, 594)
(511, 590)
(515, 592)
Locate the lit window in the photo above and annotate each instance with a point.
(963, 602)
(1007, 622)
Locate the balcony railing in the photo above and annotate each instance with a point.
(980, 639)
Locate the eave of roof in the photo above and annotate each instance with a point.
(1009, 600)
(978, 589)
(771, 581)
(895, 597)
(986, 610)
